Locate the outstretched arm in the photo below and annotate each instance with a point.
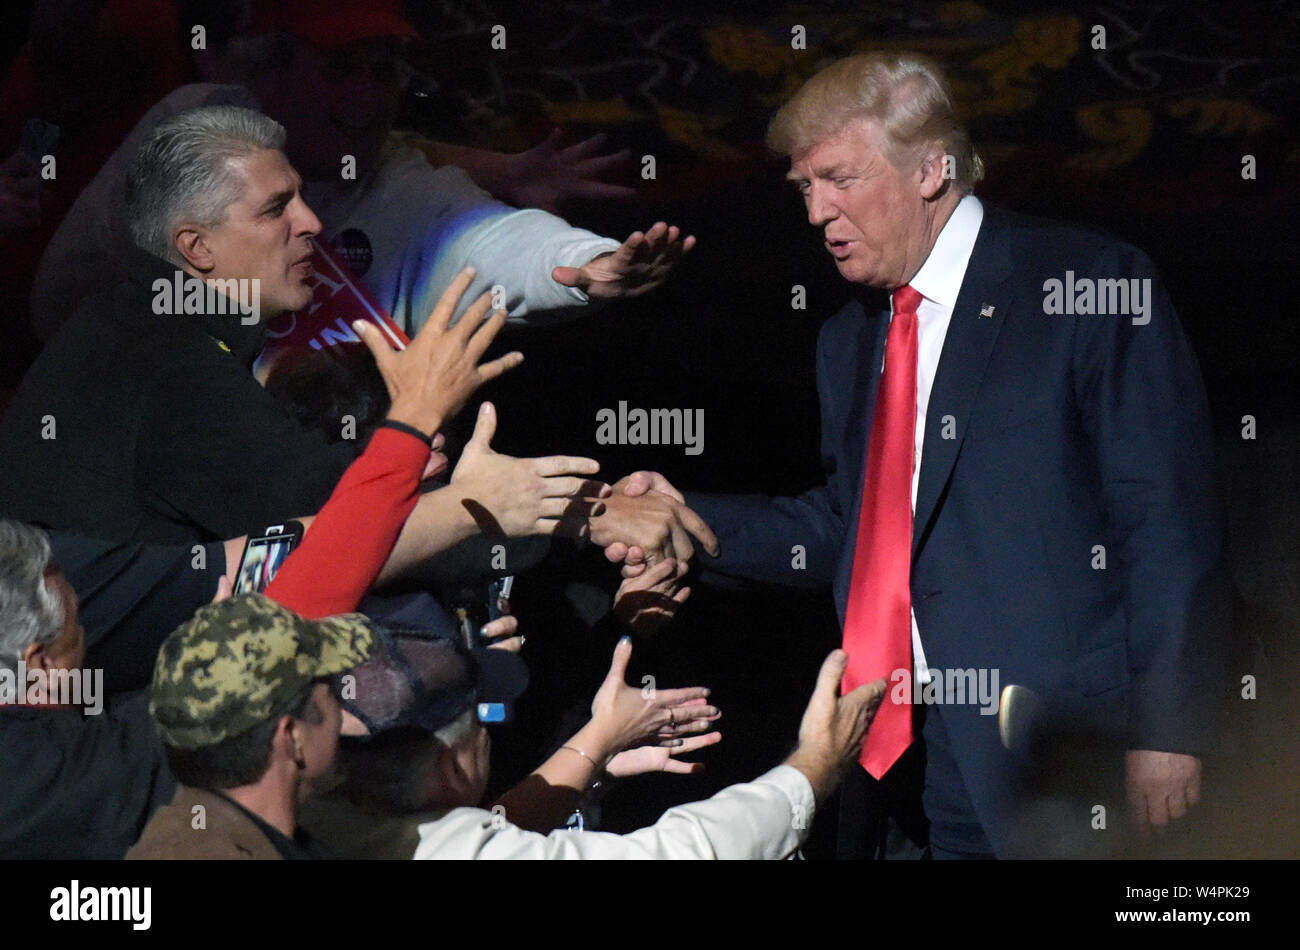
(545, 176)
(622, 716)
(767, 818)
(791, 541)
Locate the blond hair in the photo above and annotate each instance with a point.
(905, 92)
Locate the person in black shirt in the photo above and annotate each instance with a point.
(83, 771)
(142, 423)
(130, 596)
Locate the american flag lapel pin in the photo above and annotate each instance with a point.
(986, 312)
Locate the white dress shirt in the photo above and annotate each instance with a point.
(938, 281)
(766, 818)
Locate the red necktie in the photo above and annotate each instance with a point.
(878, 618)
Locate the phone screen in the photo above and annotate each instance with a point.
(262, 559)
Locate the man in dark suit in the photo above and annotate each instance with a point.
(1019, 488)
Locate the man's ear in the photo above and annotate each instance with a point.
(191, 243)
(289, 738)
(453, 781)
(36, 656)
(933, 181)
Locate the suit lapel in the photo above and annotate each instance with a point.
(966, 351)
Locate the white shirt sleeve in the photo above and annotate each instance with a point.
(519, 251)
(425, 224)
(765, 819)
(513, 249)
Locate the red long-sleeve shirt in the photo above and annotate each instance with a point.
(347, 545)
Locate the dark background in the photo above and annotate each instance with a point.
(1144, 138)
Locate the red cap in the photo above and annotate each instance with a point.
(329, 24)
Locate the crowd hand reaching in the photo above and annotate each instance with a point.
(520, 497)
(430, 380)
(224, 589)
(648, 601)
(652, 526)
(503, 634)
(834, 727)
(623, 716)
(547, 177)
(641, 264)
(661, 757)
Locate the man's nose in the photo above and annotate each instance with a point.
(820, 208)
(305, 221)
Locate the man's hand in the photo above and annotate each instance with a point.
(634, 558)
(654, 524)
(641, 264)
(1161, 786)
(638, 483)
(547, 177)
(520, 497)
(831, 734)
(645, 603)
(649, 527)
(433, 378)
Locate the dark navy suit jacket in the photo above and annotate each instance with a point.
(1068, 432)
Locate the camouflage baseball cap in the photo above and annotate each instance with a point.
(237, 663)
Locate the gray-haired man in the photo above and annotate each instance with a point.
(141, 420)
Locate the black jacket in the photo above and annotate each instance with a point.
(137, 426)
(76, 786)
